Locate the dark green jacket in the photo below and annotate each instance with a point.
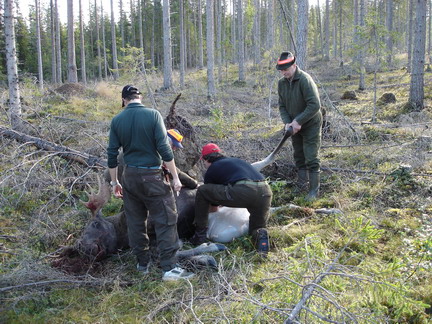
(299, 99)
(141, 132)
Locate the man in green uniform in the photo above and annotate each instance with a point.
(299, 107)
(142, 135)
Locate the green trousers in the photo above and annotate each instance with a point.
(147, 191)
(306, 144)
(254, 196)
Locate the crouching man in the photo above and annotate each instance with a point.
(232, 182)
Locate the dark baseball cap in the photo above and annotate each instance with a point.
(129, 90)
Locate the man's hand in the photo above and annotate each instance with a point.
(177, 185)
(295, 126)
(118, 190)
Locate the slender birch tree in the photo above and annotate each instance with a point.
(58, 45)
(38, 45)
(167, 69)
(53, 44)
(241, 41)
(98, 41)
(302, 32)
(211, 90)
(83, 58)
(114, 44)
(11, 66)
(182, 45)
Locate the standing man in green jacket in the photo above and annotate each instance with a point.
(142, 135)
(300, 108)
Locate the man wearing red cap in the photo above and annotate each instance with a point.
(300, 108)
(232, 182)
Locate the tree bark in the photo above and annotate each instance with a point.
(362, 84)
(167, 70)
(241, 42)
(58, 45)
(53, 44)
(38, 45)
(211, 90)
(83, 58)
(114, 44)
(99, 58)
(104, 42)
(389, 23)
(200, 37)
(327, 31)
(72, 67)
(302, 33)
(12, 68)
(416, 95)
(182, 45)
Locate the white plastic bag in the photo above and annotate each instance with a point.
(227, 224)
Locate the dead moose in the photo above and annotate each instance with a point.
(104, 236)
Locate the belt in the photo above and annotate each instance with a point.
(144, 167)
(251, 182)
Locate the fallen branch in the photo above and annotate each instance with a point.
(63, 151)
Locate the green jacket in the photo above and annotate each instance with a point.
(299, 99)
(141, 132)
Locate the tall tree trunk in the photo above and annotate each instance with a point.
(58, 45)
(335, 29)
(362, 84)
(182, 45)
(83, 58)
(211, 90)
(53, 45)
(340, 32)
(11, 65)
(416, 95)
(167, 70)
(104, 42)
(327, 31)
(141, 33)
(410, 34)
(122, 27)
(219, 39)
(389, 23)
(270, 25)
(114, 44)
(429, 33)
(302, 32)
(152, 46)
(256, 32)
(200, 38)
(72, 67)
(241, 41)
(38, 46)
(234, 32)
(321, 42)
(98, 41)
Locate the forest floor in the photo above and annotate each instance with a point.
(370, 262)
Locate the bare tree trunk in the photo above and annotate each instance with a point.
(389, 23)
(270, 26)
(99, 58)
(416, 95)
(53, 45)
(241, 41)
(256, 32)
(211, 90)
(321, 42)
(72, 68)
(152, 46)
(83, 58)
(12, 68)
(302, 32)
(340, 32)
(200, 38)
(132, 22)
(38, 46)
(114, 44)
(58, 45)
(410, 34)
(335, 29)
(167, 70)
(104, 42)
(327, 31)
(219, 39)
(141, 34)
(122, 28)
(429, 33)
(362, 84)
(233, 32)
(182, 45)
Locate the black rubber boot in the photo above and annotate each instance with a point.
(314, 184)
(262, 241)
(199, 237)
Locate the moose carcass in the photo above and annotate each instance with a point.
(104, 236)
